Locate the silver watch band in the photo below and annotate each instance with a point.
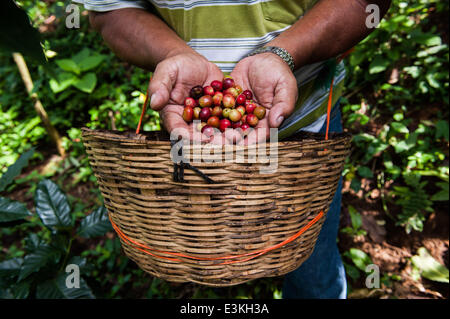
(282, 53)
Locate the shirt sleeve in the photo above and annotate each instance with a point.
(109, 5)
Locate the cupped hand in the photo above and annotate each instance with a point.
(273, 86)
(171, 83)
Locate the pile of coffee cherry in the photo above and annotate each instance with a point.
(222, 105)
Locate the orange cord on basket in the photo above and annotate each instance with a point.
(144, 107)
(330, 100)
(143, 248)
(330, 96)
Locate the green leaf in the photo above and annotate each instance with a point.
(429, 267)
(414, 71)
(21, 290)
(400, 127)
(68, 65)
(442, 129)
(90, 62)
(407, 144)
(359, 258)
(355, 184)
(60, 240)
(355, 217)
(80, 56)
(432, 80)
(398, 116)
(87, 83)
(364, 171)
(15, 169)
(52, 205)
(10, 267)
(428, 39)
(17, 34)
(95, 224)
(363, 137)
(357, 57)
(63, 81)
(352, 271)
(434, 40)
(80, 262)
(443, 194)
(57, 289)
(32, 242)
(431, 50)
(12, 210)
(378, 64)
(40, 257)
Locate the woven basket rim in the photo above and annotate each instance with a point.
(162, 137)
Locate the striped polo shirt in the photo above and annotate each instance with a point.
(226, 31)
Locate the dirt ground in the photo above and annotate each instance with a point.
(391, 248)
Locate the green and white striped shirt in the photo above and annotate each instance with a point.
(226, 31)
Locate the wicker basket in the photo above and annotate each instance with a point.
(246, 225)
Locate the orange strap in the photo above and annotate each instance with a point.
(145, 249)
(330, 100)
(144, 107)
(330, 96)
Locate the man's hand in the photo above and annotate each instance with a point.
(273, 86)
(172, 80)
(143, 39)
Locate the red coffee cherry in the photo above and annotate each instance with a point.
(188, 113)
(227, 82)
(248, 94)
(205, 114)
(217, 111)
(228, 101)
(224, 124)
(208, 90)
(213, 121)
(196, 92)
(217, 98)
(208, 130)
(240, 100)
(197, 111)
(235, 115)
(252, 120)
(216, 85)
(260, 112)
(205, 101)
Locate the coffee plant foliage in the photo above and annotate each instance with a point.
(87, 86)
(39, 269)
(396, 105)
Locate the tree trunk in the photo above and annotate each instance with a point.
(26, 78)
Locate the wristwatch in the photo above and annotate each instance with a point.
(282, 53)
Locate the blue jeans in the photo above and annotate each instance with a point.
(322, 275)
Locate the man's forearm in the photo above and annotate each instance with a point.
(331, 27)
(138, 36)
